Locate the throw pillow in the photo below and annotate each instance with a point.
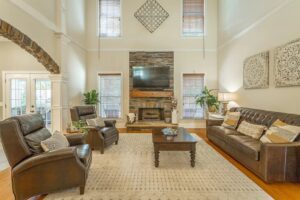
(95, 122)
(56, 141)
(253, 130)
(231, 120)
(281, 132)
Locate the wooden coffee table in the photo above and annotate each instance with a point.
(182, 142)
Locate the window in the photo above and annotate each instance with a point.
(110, 18)
(193, 18)
(110, 95)
(193, 84)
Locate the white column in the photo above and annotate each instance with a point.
(60, 107)
(60, 96)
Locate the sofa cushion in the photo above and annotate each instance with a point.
(245, 144)
(108, 132)
(84, 153)
(281, 132)
(253, 130)
(85, 110)
(266, 118)
(85, 117)
(96, 122)
(56, 141)
(221, 132)
(34, 140)
(231, 120)
(30, 123)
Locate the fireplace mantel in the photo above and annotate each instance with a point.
(145, 94)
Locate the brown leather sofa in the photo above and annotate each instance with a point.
(35, 172)
(98, 137)
(271, 162)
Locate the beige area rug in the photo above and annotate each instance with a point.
(126, 172)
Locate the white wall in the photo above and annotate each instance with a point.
(114, 55)
(236, 15)
(47, 8)
(58, 26)
(75, 60)
(13, 58)
(30, 26)
(273, 29)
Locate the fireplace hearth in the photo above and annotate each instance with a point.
(151, 114)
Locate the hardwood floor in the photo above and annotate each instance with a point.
(286, 191)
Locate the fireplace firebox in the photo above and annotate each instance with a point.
(151, 114)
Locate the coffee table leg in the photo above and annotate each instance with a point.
(193, 156)
(156, 156)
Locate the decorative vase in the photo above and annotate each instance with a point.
(174, 117)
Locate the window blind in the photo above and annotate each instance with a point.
(193, 84)
(193, 17)
(110, 95)
(110, 18)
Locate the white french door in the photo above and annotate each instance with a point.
(28, 93)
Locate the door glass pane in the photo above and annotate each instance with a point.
(43, 100)
(110, 95)
(192, 86)
(17, 97)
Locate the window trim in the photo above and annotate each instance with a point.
(181, 95)
(98, 22)
(205, 23)
(122, 93)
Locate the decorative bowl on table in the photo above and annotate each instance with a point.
(169, 133)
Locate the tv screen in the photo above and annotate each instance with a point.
(151, 77)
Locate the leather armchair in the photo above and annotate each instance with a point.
(98, 137)
(34, 172)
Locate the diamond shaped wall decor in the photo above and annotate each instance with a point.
(151, 14)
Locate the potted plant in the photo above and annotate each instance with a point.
(207, 100)
(80, 126)
(91, 97)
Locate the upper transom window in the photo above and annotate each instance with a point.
(109, 18)
(193, 18)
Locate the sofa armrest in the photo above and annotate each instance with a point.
(214, 122)
(280, 162)
(76, 139)
(42, 160)
(110, 123)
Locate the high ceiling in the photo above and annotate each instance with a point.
(236, 15)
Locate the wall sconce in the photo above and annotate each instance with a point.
(224, 98)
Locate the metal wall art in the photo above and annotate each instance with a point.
(151, 14)
(287, 64)
(256, 71)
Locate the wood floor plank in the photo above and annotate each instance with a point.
(279, 191)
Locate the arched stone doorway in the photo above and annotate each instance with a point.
(16, 36)
(59, 107)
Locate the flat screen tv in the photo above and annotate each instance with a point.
(150, 77)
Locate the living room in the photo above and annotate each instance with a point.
(140, 69)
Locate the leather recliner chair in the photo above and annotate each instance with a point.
(35, 172)
(98, 137)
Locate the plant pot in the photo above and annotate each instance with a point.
(212, 109)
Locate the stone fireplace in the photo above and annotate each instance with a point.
(153, 105)
(151, 114)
